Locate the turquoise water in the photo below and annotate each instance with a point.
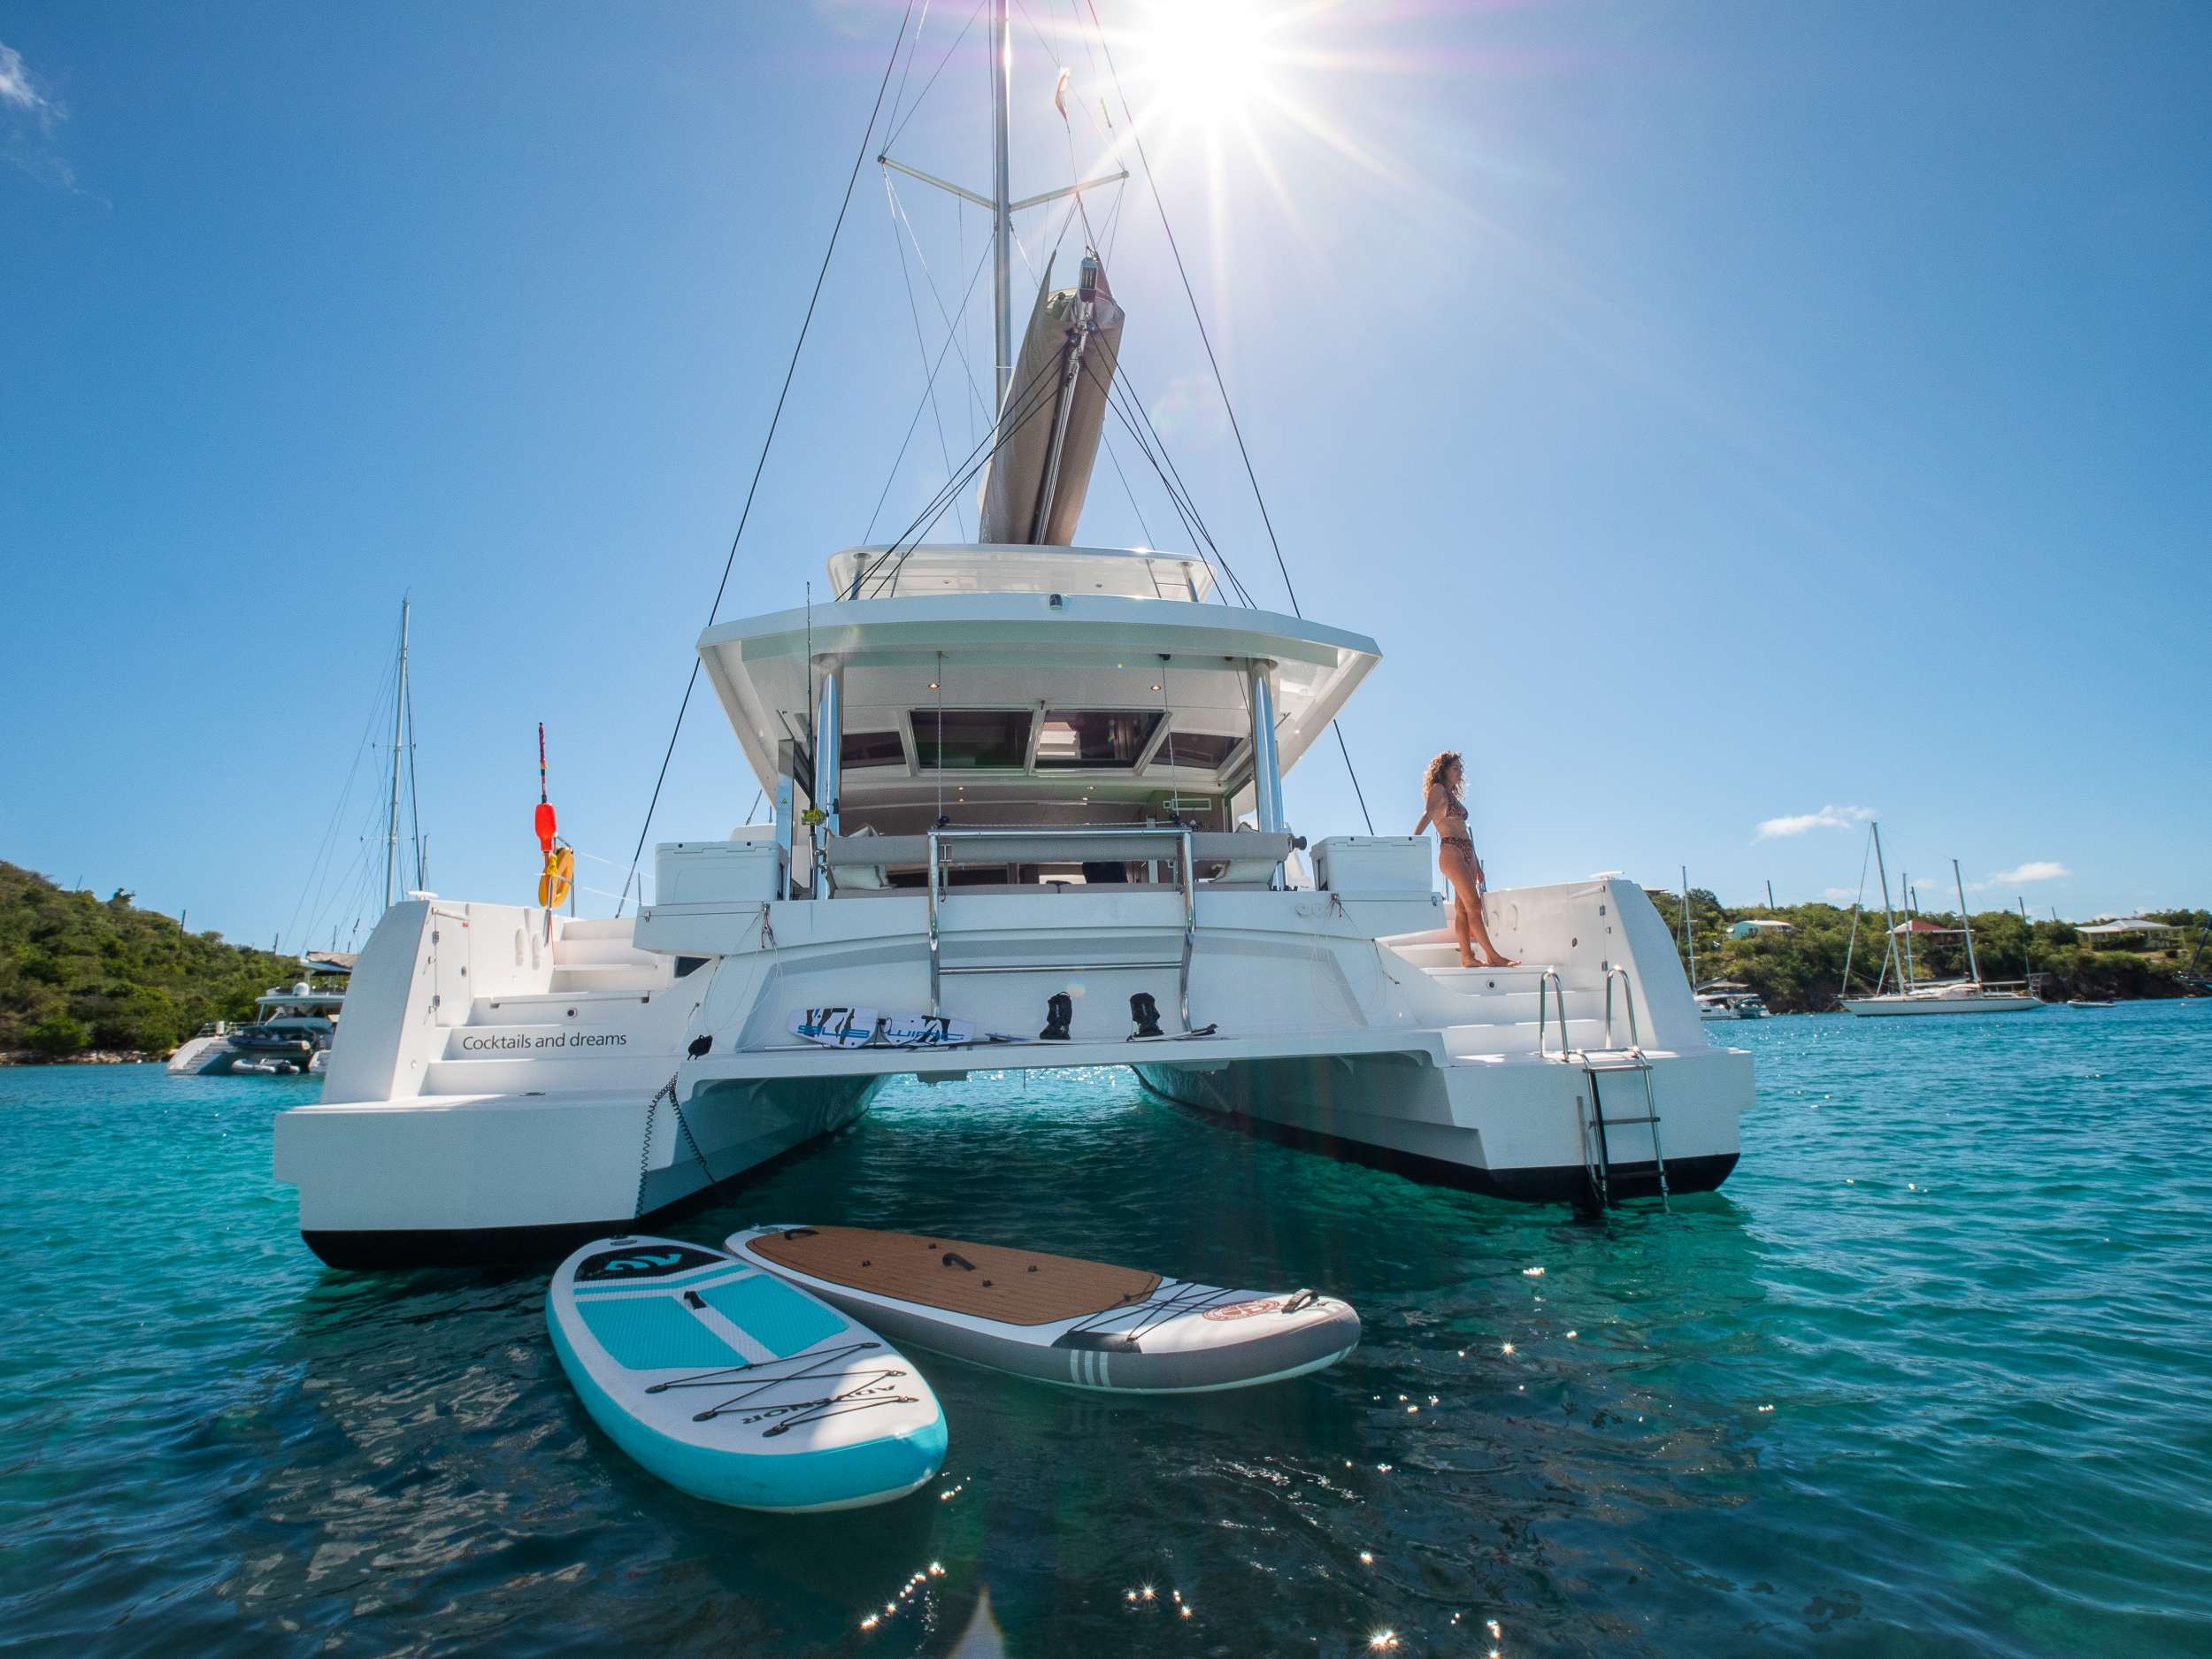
(1932, 1375)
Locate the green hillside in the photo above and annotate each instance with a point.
(1801, 972)
(78, 973)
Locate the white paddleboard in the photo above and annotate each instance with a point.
(735, 1386)
(1057, 1318)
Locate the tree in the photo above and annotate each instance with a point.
(59, 1037)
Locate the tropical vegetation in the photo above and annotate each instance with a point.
(1802, 970)
(80, 972)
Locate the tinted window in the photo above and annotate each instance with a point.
(1095, 738)
(871, 748)
(971, 737)
(1207, 749)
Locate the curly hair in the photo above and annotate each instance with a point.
(1434, 777)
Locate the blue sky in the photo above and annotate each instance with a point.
(1723, 415)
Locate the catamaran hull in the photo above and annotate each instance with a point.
(1515, 1131)
(448, 1183)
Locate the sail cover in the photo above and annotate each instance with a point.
(1034, 483)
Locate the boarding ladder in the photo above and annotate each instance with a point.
(1597, 1157)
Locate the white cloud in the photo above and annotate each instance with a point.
(15, 82)
(1827, 818)
(1838, 895)
(27, 119)
(2034, 869)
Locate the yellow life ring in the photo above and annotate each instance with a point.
(559, 876)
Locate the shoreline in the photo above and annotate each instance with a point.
(91, 1056)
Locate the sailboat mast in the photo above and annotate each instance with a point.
(1966, 922)
(1889, 919)
(1904, 883)
(399, 707)
(1689, 933)
(1002, 199)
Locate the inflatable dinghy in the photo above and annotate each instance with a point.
(735, 1386)
(1082, 1325)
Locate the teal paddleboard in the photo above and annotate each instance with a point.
(737, 1388)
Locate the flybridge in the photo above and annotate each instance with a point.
(890, 571)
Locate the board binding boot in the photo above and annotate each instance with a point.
(1059, 1012)
(1146, 1012)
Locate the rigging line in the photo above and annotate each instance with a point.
(934, 74)
(892, 478)
(1204, 339)
(1136, 401)
(1059, 60)
(1030, 403)
(1048, 379)
(1177, 492)
(768, 442)
(1143, 528)
(1113, 222)
(898, 206)
(327, 849)
(414, 792)
(899, 96)
(1152, 183)
(1198, 538)
(960, 242)
(931, 510)
(921, 346)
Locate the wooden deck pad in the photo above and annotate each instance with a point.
(1014, 1286)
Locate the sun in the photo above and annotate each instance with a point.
(1208, 59)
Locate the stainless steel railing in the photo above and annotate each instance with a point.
(1177, 840)
(1628, 998)
(1548, 983)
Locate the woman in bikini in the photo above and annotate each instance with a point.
(1442, 783)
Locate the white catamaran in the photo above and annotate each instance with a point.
(1028, 812)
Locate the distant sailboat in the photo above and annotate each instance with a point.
(1913, 995)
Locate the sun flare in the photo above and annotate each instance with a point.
(1208, 59)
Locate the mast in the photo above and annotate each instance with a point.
(2027, 939)
(1689, 933)
(1889, 919)
(399, 707)
(1967, 922)
(1904, 882)
(1002, 199)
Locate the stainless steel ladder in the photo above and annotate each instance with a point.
(1597, 1153)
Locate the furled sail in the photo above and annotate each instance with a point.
(1034, 484)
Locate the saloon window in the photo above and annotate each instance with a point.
(1207, 750)
(1097, 740)
(971, 739)
(871, 748)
